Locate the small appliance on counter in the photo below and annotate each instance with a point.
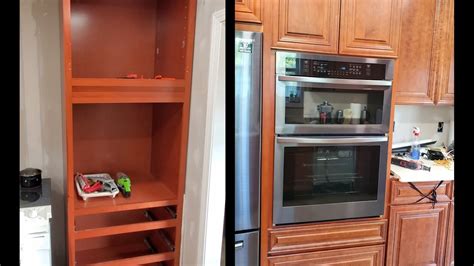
(30, 178)
(35, 229)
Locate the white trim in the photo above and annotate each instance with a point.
(214, 152)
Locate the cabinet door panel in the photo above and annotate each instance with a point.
(370, 27)
(446, 87)
(360, 256)
(248, 11)
(417, 234)
(306, 25)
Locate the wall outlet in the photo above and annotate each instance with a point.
(440, 126)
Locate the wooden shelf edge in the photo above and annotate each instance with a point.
(123, 229)
(125, 207)
(139, 260)
(98, 97)
(118, 82)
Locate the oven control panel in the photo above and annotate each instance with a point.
(335, 69)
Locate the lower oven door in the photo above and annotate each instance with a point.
(328, 178)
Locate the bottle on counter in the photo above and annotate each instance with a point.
(415, 146)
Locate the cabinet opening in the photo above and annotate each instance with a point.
(161, 217)
(134, 248)
(141, 140)
(113, 38)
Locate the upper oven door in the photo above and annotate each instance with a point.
(307, 105)
(328, 178)
(342, 100)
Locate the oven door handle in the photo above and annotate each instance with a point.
(386, 83)
(326, 140)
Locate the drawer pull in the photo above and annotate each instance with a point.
(239, 244)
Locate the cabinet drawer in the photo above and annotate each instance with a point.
(360, 256)
(402, 193)
(326, 236)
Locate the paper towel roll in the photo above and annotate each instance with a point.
(356, 111)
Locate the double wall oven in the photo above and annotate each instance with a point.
(332, 118)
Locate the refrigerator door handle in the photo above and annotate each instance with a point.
(239, 244)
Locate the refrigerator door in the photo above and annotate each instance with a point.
(248, 56)
(246, 249)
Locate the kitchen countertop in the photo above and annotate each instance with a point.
(436, 173)
(43, 194)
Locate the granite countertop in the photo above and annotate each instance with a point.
(436, 173)
(44, 193)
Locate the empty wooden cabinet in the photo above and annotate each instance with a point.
(127, 67)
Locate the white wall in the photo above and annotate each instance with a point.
(426, 118)
(195, 205)
(41, 128)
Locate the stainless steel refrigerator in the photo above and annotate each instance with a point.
(248, 68)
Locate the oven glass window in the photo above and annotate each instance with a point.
(330, 174)
(309, 105)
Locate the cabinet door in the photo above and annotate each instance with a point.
(425, 53)
(370, 27)
(446, 88)
(417, 234)
(306, 25)
(248, 11)
(360, 256)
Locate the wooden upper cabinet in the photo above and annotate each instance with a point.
(425, 53)
(306, 25)
(417, 234)
(248, 11)
(445, 90)
(370, 27)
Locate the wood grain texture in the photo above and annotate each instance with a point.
(417, 234)
(416, 52)
(307, 238)
(402, 193)
(249, 11)
(242, 26)
(113, 38)
(449, 257)
(445, 85)
(306, 25)
(268, 132)
(360, 256)
(426, 48)
(370, 27)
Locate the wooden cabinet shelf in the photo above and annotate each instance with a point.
(130, 250)
(147, 193)
(109, 90)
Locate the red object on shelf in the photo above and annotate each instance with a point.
(132, 76)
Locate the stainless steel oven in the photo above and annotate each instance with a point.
(320, 178)
(322, 94)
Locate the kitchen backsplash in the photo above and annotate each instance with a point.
(426, 118)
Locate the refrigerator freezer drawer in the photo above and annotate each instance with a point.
(247, 249)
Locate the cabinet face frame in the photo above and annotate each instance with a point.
(249, 11)
(350, 44)
(322, 42)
